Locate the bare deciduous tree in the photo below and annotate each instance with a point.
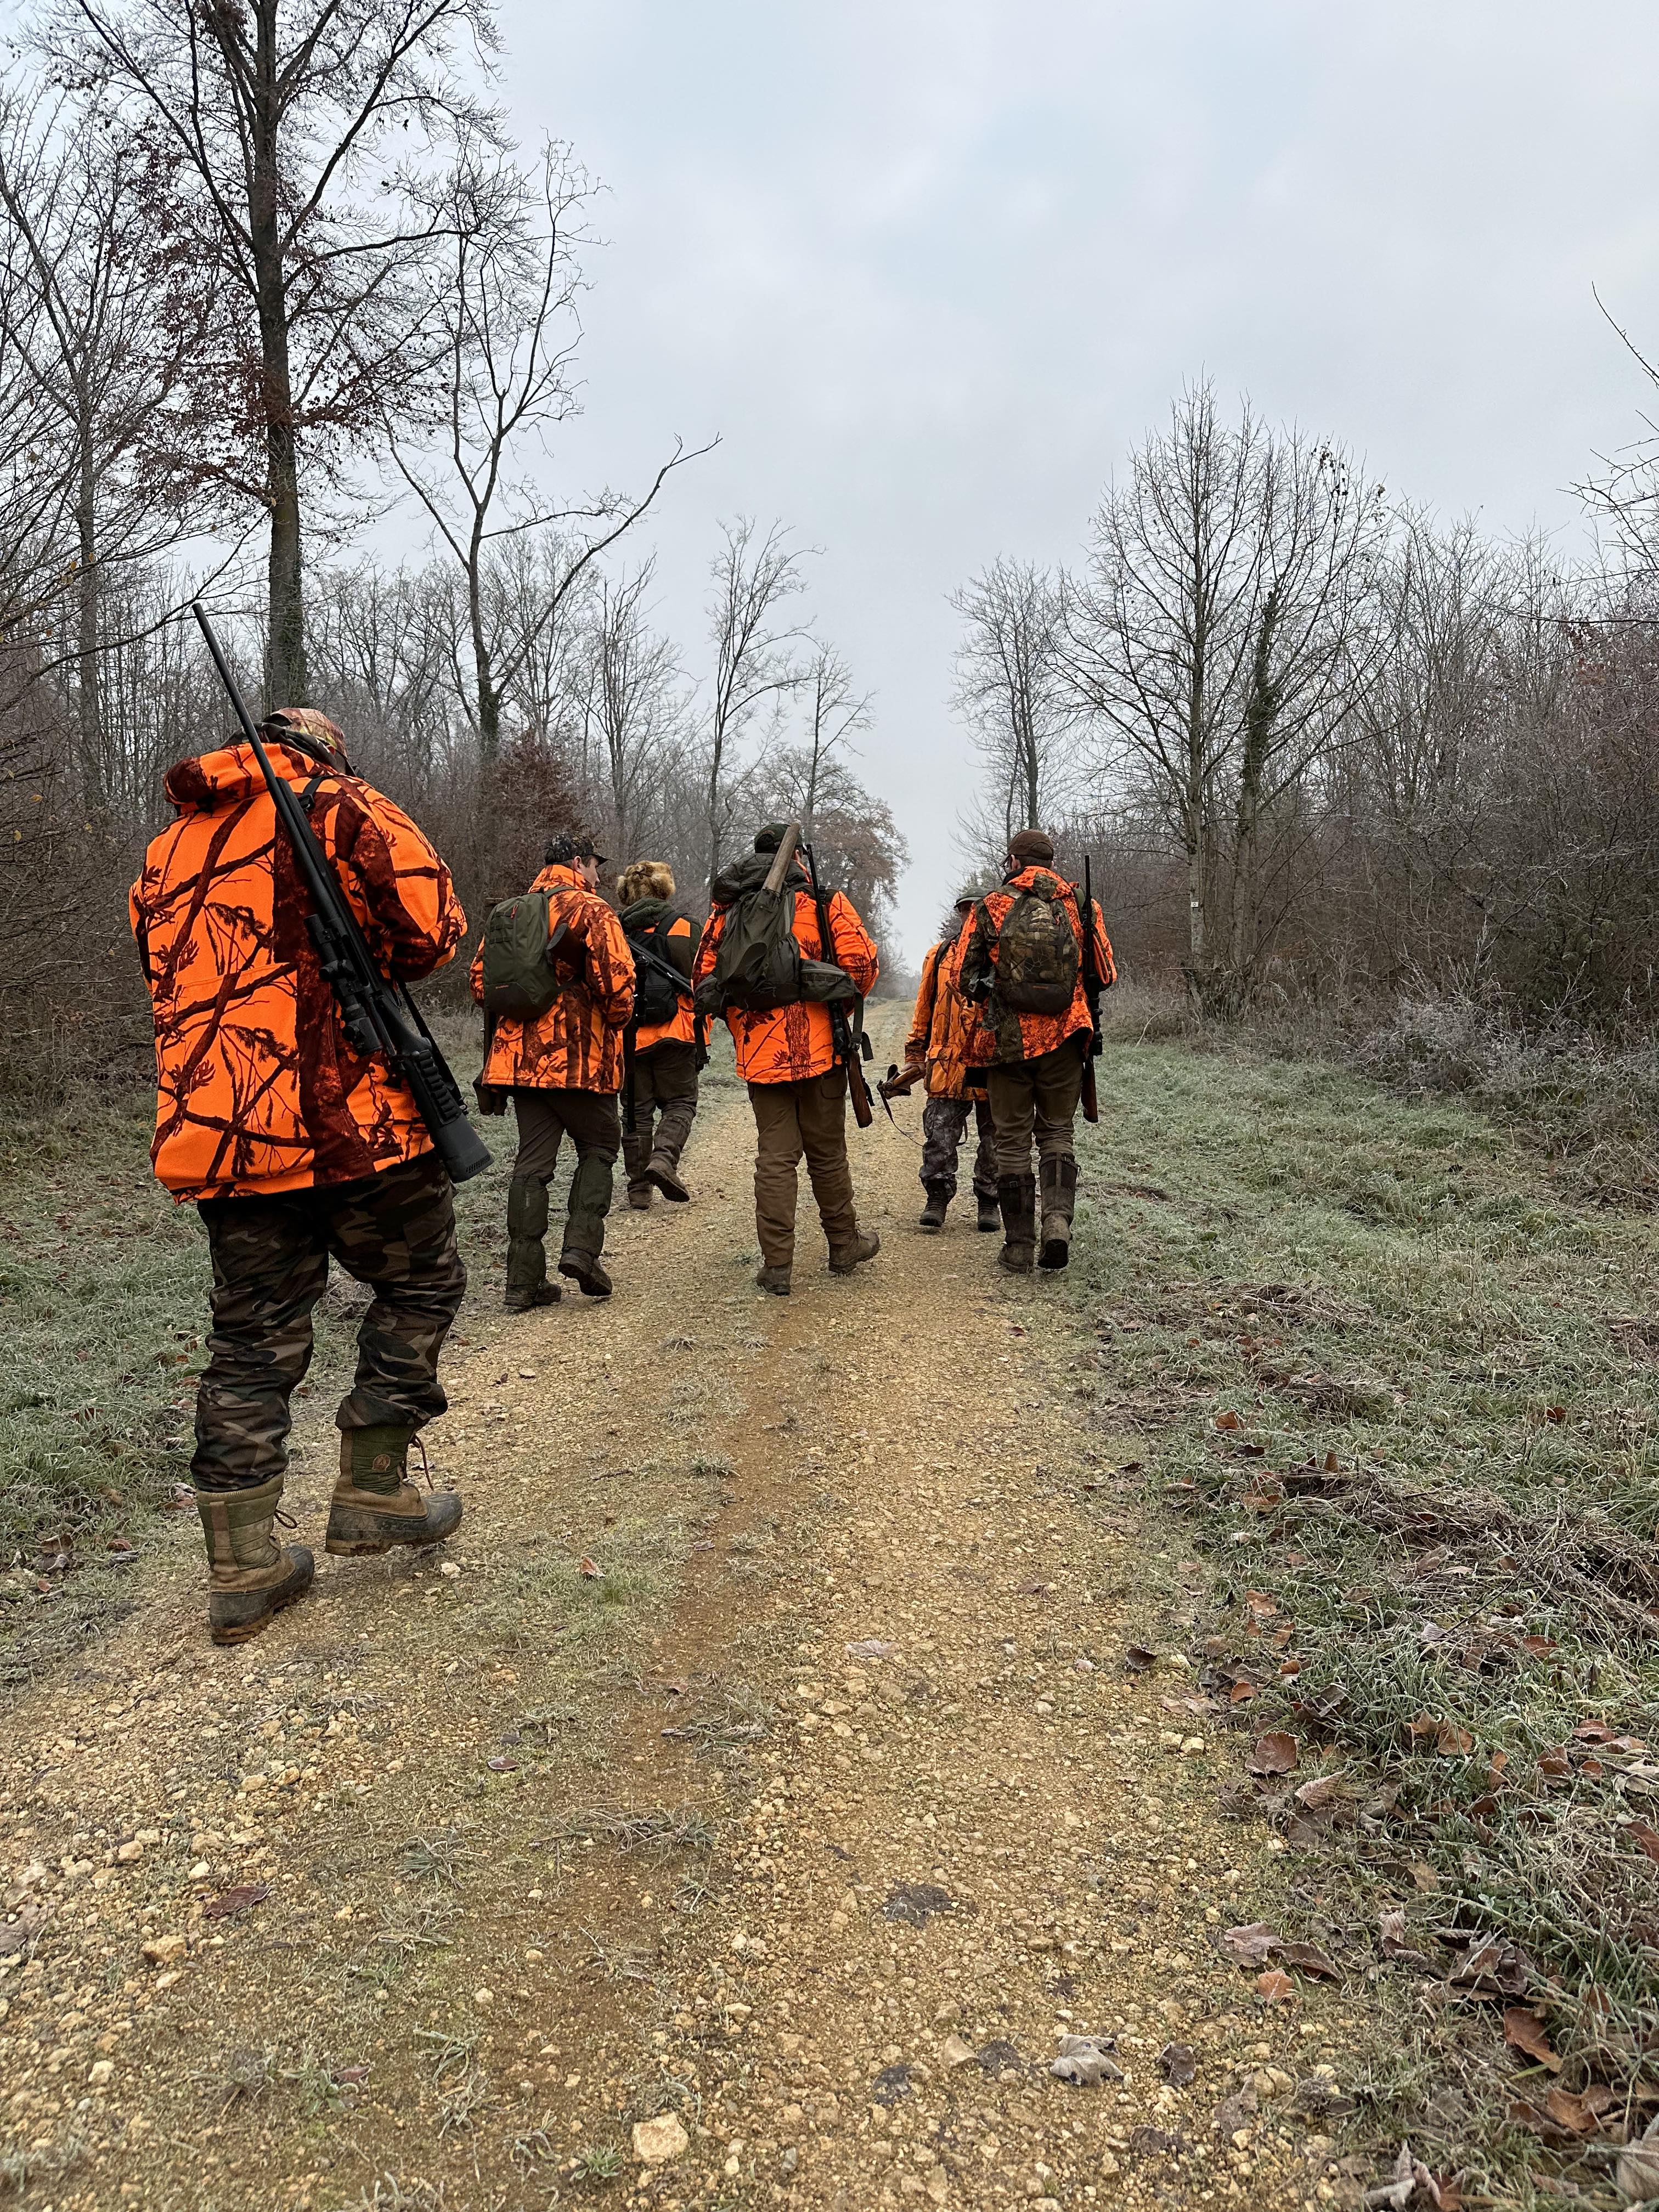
(1160, 630)
(1011, 689)
(756, 648)
(834, 710)
(636, 696)
(501, 314)
(89, 209)
(292, 118)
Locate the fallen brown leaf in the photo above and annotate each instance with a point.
(1309, 1959)
(1251, 1944)
(1646, 1836)
(1578, 2113)
(1524, 2031)
(231, 1902)
(1494, 1966)
(1324, 1790)
(1276, 1753)
(1274, 1988)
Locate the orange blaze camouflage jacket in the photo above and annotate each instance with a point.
(1000, 1041)
(258, 1088)
(943, 1024)
(577, 1044)
(793, 1044)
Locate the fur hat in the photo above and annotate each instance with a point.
(643, 879)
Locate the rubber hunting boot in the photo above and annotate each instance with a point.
(990, 1216)
(375, 1505)
(526, 1255)
(843, 1258)
(251, 1576)
(939, 1199)
(1016, 1197)
(1058, 1180)
(640, 1196)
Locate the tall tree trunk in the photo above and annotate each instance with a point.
(287, 683)
(1261, 713)
(89, 719)
(713, 811)
(483, 663)
(1197, 936)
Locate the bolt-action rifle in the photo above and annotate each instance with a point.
(1093, 989)
(378, 1017)
(847, 1040)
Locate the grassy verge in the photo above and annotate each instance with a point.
(1404, 1397)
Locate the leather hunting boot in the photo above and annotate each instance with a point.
(990, 1216)
(1058, 1180)
(939, 1199)
(640, 1196)
(776, 1279)
(665, 1174)
(843, 1258)
(375, 1505)
(1016, 1197)
(587, 1271)
(251, 1576)
(527, 1285)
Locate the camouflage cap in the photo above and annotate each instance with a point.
(572, 845)
(768, 838)
(311, 730)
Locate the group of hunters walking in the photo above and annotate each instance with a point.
(297, 1088)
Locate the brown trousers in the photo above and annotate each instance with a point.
(1038, 1097)
(665, 1098)
(791, 1119)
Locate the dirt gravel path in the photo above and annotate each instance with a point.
(772, 1757)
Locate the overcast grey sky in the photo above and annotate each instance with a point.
(929, 269)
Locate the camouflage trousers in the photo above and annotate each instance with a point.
(944, 1126)
(395, 1231)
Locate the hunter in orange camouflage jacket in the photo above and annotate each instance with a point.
(792, 1044)
(577, 1044)
(942, 1027)
(258, 1088)
(1000, 1035)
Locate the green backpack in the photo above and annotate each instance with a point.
(758, 963)
(519, 978)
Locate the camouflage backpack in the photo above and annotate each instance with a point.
(1037, 960)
